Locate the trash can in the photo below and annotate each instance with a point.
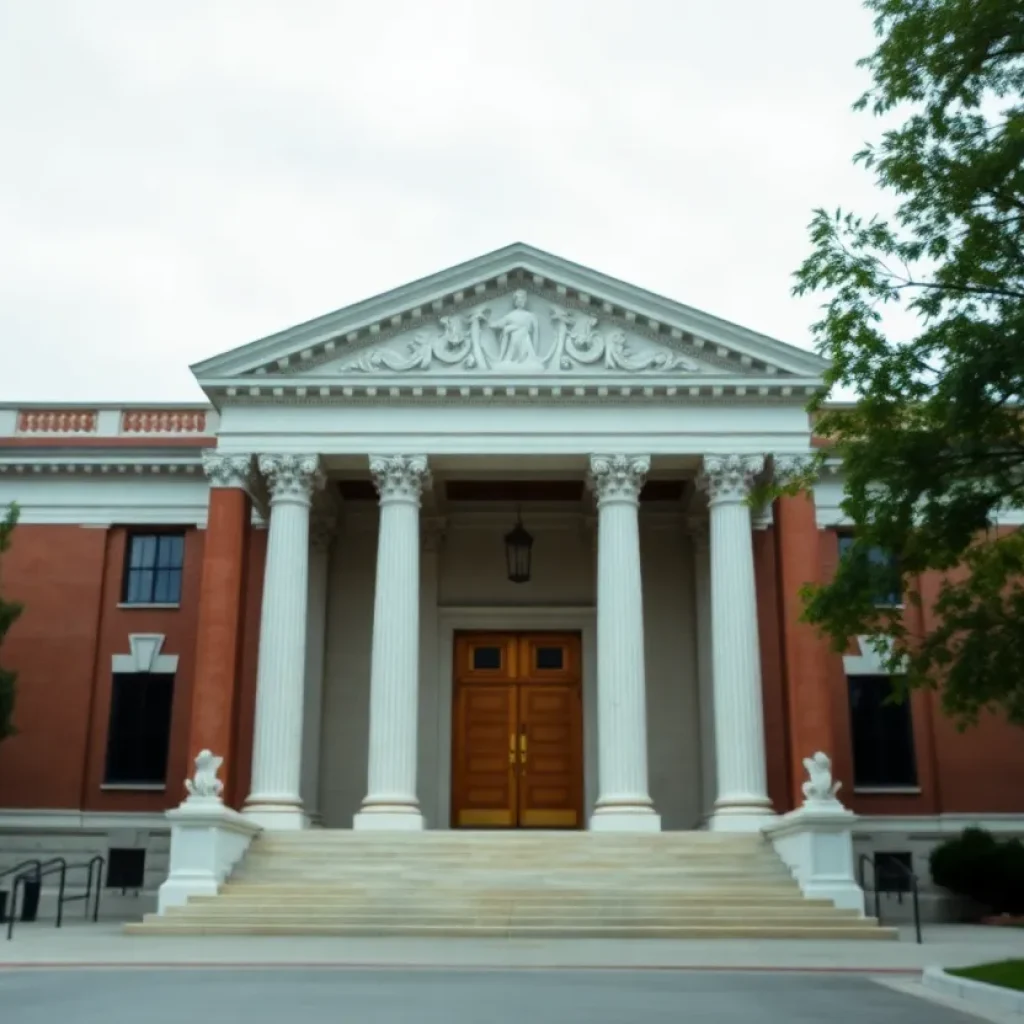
(30, 899)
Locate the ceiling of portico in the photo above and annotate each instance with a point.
(519, 317)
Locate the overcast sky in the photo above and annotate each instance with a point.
(181, 178)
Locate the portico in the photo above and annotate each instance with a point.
(410, 431)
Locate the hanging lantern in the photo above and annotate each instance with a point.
(518, 551)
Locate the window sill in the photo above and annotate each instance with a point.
(887, 790)
(134, 787)
(885, 606)
(140, 604)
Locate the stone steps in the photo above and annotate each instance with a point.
(178, 926)
(520, 885)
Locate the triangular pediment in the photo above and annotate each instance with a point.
(519, 314)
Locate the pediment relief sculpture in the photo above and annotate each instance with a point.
(510, 337)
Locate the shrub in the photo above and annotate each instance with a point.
(987, 870)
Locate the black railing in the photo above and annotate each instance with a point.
(883, 884)
(38, 870)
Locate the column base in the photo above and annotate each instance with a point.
(277, 817)
(741, 817)
(625, 819)
(388, 819)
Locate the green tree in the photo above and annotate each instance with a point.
(9, 612)
(933, 450)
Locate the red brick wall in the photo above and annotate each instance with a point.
(179, 628)
(69, 578)
(57, 571)
(978, 771)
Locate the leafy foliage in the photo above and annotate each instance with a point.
(9, 612)
(933, 450)
(989, 871)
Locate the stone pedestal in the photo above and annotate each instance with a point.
(275, 801)
(816, 842)
(207, 838)
(391, 802)
(623, 803)
(742, 804)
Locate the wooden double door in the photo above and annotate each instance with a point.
(517, 758)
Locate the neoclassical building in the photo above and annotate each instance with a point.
(472, 554)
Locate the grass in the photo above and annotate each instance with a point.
(1004, 973)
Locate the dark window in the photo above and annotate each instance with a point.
(892, 872)
(126, 868)
(883, 737)
(153, 568)
(487, 657)
(140, 729)
(890, 593)
(549, 657)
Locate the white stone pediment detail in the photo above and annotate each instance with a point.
(514, 313)
(520, 333)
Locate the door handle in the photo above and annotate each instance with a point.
(512, 748)
(522, 745)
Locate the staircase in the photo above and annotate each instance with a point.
(682, 885)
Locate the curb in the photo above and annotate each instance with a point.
(992, 997)
(229, 965)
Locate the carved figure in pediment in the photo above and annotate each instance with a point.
(518, 333)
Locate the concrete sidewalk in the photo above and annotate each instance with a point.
(104, 944)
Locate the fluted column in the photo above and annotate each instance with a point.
(274, 800)
(323, 523)
(742, 804)
(391, 802)
(623, 803)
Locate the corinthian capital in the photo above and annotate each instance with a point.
(787, 468)
(618, 477)
(729, 478)
(291, 478)
(228, 470)
(400, 477)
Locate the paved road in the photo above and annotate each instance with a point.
(304, 996)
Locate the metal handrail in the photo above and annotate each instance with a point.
(56, 865)
(34, 862)
(908, 873)
(52, 866)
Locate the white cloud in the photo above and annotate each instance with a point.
(181, 178)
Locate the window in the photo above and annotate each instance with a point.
(883, 737)
(890, 593)
(140, 729)
(153, 568)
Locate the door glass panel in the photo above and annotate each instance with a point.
(487, 657)
(550, 658)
